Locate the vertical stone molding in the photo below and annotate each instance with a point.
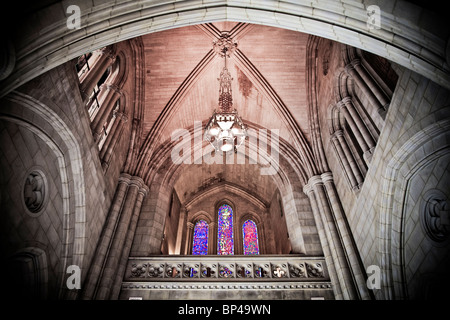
(361, 83)
(112, 139)
(211, 248)
(345, 237)
(335, 238)
(190, 235)
(309, 191)
(107, 58)
(117, 233)
(347, 160)
(359, 128)
(180, 228)
(112, 94)
(373, 86)
(353, 126)
(142, 193)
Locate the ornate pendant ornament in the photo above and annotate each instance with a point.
(225, 129)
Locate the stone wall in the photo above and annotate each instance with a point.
(45, 128)
(76, 198)
(418, 105)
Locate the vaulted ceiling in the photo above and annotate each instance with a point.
(182, 87)
(171, 56)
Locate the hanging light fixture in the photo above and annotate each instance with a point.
(225, 129)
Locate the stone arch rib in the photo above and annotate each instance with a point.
(400, 37)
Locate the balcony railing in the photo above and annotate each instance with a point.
(292, 268)
(227, 277)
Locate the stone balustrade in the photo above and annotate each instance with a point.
(226, 268)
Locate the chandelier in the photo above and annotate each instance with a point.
(225, 129)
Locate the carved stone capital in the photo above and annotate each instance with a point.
(113, 87)
(356, 63)
(125, 178)
(327, 177)
(346, 100)
(144, 190)
(311, 183)
(120, 115)
(337, 134)
(109, 53)
(340, 104)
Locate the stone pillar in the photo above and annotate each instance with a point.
(351, 122)
(350, 69)
(360, 123)
(183, 214)
(358, 128)
(348, 160)
(106, 59)
(344, 160)
(112, 139)
(118, 241)
(346, 237)
(332, 236)
(95, 272)
(309, 191)
(113, 247)
(112, 94)
(143, 191)
(189, 237)
(371, 83)
(211, 228)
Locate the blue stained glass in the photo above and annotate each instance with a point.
(200, 242)
(225, 242)
(250, 236)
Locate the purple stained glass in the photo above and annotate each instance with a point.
(225, 242)
(250, 236)
(200, 243)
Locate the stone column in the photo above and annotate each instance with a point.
(348, 160)
(309, 191)
(344, 160)
(359, 122)
(358, 128)
(346, 237)
(96, 270)
(114, 246)
(106, 59)
(371, 83)
(350, 69)
(189, 237)
(118, 241)
(143, 191)
(183, 214)
(211, 228)
(332, 234)
(112, 93)
(351, 122)
(112, 139)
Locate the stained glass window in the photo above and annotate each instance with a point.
(200, 242)
(250, 236)
(225, 243)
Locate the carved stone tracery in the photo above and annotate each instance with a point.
(435, 215)
(34, 191)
